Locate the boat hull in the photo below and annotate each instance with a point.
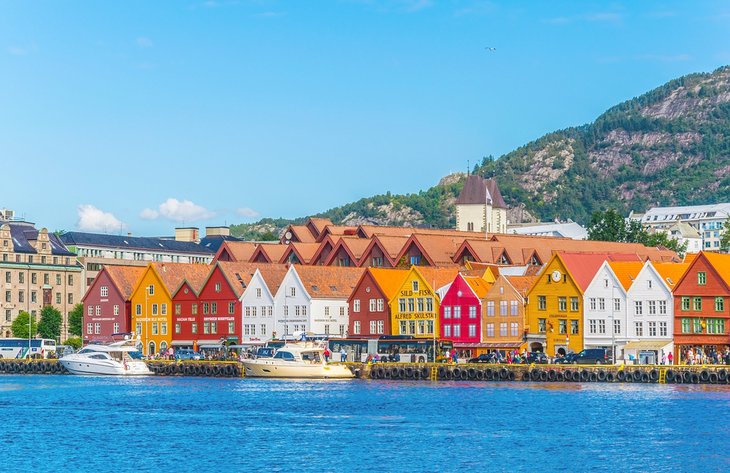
(272, 369)
(104, 367)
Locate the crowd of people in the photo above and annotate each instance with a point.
(709, 356)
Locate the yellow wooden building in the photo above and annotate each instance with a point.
(151, 302)
(555, 303)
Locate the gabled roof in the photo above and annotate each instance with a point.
(337, 231)
(369, 231)
(478, 285)
(125, 278)
(271, 252)
(670, 273)
(298, 233)
(130, 243)
(239, 274)
(238, 250)
(172, 275)
(318, 225)
(273, 275)
(23, 233)
(437, 277)
(626, 271)
(438, 250)
(522, 284)
(214, 242)
(721, 263)
(475, 192)
(328, 282)
(388, 280)
(584, 266)
(303, 251)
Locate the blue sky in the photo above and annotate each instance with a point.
(142, 116)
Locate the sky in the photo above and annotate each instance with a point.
(141, 116)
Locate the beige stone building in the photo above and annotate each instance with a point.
(480, 207)
(36, 269)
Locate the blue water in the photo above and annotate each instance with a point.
(68, 423)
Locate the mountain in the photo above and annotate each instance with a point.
(670, 146)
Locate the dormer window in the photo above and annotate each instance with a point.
(415, 286)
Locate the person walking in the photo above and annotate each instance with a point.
(670, 357)
(327, 354)
(343, 355)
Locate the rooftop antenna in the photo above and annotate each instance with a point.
(468, 167)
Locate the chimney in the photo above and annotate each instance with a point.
(217, 231)
(189, 234)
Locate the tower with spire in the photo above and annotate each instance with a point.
(480, 206)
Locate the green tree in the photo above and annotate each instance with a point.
(611, 226)
(50, 323)
(76, 320)
(74, 342)
(725, 237)
(20, 325)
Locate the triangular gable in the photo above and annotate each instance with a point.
(376, 242)
(465, 250)
(323, 252)
(413, 242)
(124, 278)
(302, 251)
(707, 259)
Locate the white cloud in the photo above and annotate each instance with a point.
(247, 212)
(178, 211)
(143, 42)
(92, 219)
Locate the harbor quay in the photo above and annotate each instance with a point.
(468, 372)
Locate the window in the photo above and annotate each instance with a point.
(327, 310)
(89, 328)
(194, 309)
(591, 326)
(562, 304)
(662, 307)
(639, 329)
(652, 329)
(616, 326)
(697, 325)
(138, 309)
(116, 327)
(457, 311)
(206, 327)
(592, 304)
(574, 304)
(490, 330)
(116, 309)
(8, 276)
(457, 330)
(381, 326)
(473, 311)
(602, 304)
(648, 283)
(697, 304)
(21, 278)
(381, 305)
(163, 328)
(401, 305)
(502, 307)
(231, 327)
(254, 309)
(33, 278)
(104, 291)
(292, 291)
(616, 304)
(372, 327)
(151, 290)
(415, 260)
(194, 327)
(139, 328)
(8, 315)
(155, 328)
(258, 293)
(70, 298)
(541, 325)
(58, 279)
(372, 305)
(447, 312)
(98, 310)
(447, 330)
(231, 307)
(21, 296)
(205, 307)
(638, 307)
(574, 327)
(177, 327)
(154, 309)
(163, 309)
(90, 310)
(562, 326)
(602, 326)
(685, 325)
(662, 329)
(503, 329)
(701, 278)
(716, 326)
(411, 304)
(58, 298)
(217, 287)
(97, 328)
(541, 303)
(472, 330)
(33, 296)
(514, 329)
(213, 307)
(420, 304)
(356, 327)
(685, 303)
(356, 306)
(263, 329)
(490, 308)
(719, 304)
(652, 307)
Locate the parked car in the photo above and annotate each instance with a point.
(186, 354)
(485, 358)
(63, 350)
(537, 357)
(591, 356)
(566, 359)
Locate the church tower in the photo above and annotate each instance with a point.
(480, 207)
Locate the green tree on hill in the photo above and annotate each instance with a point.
(50, 323)
(612, 226)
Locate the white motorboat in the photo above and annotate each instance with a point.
(113, 359)
(296, 360)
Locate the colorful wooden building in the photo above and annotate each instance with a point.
(106, 303)
(460, 313)
(701, 309)
(369, 303)
(503, 314)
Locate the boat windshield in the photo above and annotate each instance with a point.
(284, 355)
(311, 356)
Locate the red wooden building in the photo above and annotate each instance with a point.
(106, 303)
(369, 302)
(701, 309)
(460, 312)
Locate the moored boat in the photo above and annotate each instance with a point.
(114, 359)
(296, 360)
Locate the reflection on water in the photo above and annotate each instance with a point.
(197, 424)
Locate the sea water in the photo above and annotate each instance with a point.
(109, 424)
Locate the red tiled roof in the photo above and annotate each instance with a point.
(329, 282)
(125, 278)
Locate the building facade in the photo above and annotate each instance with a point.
(37, 270)
(480, 206)
(106, 303)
